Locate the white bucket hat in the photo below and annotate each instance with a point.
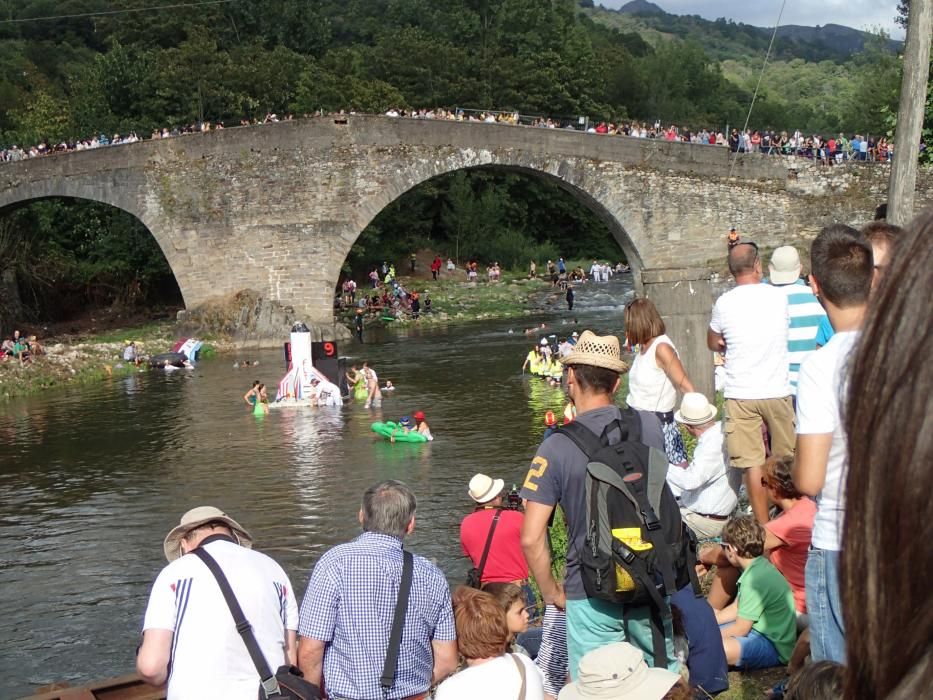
(484, 488)
(618, 672)
(695, 410)
(597, 351)
(195, 518)
(784, 267)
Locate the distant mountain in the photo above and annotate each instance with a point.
(725, 39)
(643, 7)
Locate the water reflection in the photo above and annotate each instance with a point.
(91, 480)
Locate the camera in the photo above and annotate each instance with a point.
(514, 500)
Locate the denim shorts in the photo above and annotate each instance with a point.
(757, 652)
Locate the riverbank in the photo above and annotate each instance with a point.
(74, 359)
(454, 300)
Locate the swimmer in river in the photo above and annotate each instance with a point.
(261, 407)
(421, 425)
(251, 396)
(529, 331)
(389, 386)
(374, 397)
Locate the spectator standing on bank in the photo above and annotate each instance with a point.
(842, 275)
(804, 311)
(557, 476)
(501, 527)
(349, 607)
(750, 324)
(657, 373)
(190, 640)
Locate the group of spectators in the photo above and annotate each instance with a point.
(828, 150)
(20, 348)
(824, 399)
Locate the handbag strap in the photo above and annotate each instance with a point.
(521, 672)
(398, 622)
(482, 561)
(270, 685)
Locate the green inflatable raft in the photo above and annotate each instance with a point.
(390, 429)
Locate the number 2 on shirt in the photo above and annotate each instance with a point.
(535, 472)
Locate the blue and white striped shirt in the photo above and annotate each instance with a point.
(806, 313)
(350, 604)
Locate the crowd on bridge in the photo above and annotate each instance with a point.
(826, 149)
(823, 418)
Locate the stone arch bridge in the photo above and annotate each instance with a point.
(277, 208)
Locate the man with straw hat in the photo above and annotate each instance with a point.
(705, 487)
(189, 636)
(558, 476)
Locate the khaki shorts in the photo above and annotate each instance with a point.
(742, 423)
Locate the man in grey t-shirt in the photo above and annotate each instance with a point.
(558, 477)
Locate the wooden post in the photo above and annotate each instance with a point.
(910, 113)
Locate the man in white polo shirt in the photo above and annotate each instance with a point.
(842, 264)
(750, 324)
(189, 638)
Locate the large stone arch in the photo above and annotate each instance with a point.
(568, 176)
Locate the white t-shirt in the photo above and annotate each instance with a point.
(498, 678)
(753, 319)
(649, 389)
(209, 658)
(820, 392)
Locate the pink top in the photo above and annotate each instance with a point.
(794, 527)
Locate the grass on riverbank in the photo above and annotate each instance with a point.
(85, 358)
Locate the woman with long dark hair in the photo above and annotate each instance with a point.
(887, 558)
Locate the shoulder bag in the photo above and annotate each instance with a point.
(398, 622)
(475, 574)
(288, 681)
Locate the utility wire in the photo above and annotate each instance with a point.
(117, 12)
(761, 75)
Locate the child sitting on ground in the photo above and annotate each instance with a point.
(759, 628)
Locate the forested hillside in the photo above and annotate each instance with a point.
(101, 70)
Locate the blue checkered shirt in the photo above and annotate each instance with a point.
(349, 605)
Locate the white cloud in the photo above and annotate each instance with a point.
(860, 14)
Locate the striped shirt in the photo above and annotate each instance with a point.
(350, 605)
(806, 315)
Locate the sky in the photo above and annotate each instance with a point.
(859, 14)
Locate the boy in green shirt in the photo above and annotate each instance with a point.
(759, 629)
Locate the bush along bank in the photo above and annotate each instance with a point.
(80, 360)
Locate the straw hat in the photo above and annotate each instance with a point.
(597, 351)
(618, 672)
(484, 488)
(195, 518)
(695, 410)
(784, 267)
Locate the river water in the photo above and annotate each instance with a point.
(91, 479)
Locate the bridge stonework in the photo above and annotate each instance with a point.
(277, 208)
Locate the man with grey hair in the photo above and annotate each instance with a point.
(347, 612)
